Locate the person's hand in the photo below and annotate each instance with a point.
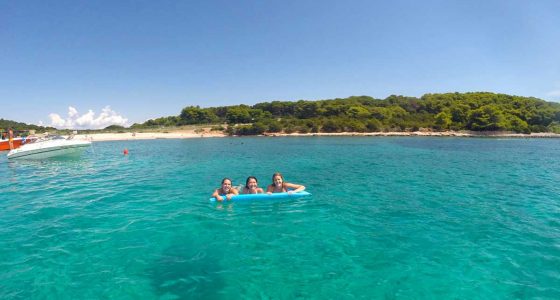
(290, 192)
(219, 198)
(228, 196)
(270, 193)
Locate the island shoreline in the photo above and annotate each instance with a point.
(187, 134)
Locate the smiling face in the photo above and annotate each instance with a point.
(226, 185)
(277, 180)
(252, 183)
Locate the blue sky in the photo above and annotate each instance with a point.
(94, 62)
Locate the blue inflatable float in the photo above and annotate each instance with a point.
(265, 196)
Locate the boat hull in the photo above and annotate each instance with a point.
(48, 152)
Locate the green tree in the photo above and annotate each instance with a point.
(238, 114)
(443, 120)
(196, 115)
(554, 127)
(114, 127)
(307, 109)
(331, 126)
(259, 115)
(352, 125)
(487, 117)
(274, 126)
(381, 113)
(459, 113)
(374, 125)
(516, 124)
(332, 109)
(358, 112)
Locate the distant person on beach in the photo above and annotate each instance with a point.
(11, 138)
(279, 186)
(251, 186)
(226, 190)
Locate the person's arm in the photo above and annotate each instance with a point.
(296, 187)
(260, 191)
(232, 193)
(270, 189)
(216, 195)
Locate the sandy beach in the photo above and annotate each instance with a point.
(206, 133)
(180, 134)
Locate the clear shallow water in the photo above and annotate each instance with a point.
(394, 218)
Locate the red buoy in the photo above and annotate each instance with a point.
(125, 152)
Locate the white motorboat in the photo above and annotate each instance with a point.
(49, 147)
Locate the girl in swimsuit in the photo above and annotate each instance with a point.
(251, 186)
(279, 186)
(11, 138)
(226, 190)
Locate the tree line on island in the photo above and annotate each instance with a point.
(479, 111)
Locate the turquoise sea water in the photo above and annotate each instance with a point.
(390, 218)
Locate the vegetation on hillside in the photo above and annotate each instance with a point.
(21, 127)
(480, 111)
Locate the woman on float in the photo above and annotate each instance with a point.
(251, 186)
(279, 186)
(226, 190)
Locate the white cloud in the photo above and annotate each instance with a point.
(72, 112)
(88, 120)
(57, 121)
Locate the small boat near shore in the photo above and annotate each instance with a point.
(17, 142)
(49, 147)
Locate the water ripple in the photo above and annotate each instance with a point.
(389, 218)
